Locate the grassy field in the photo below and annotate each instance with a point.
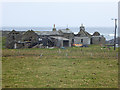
(91, 67)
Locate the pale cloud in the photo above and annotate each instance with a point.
(90, 14)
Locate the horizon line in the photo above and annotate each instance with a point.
(56, 26)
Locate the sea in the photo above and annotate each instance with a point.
(107, 32)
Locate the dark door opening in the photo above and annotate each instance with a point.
(91, 41)
(81, 40)
(66, 43)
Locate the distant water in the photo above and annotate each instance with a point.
(108, 32)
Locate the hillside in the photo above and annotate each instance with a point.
(112, 41)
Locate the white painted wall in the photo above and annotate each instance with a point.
(77, 40)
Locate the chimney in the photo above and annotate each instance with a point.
(82, 27)
(67, 28)
(54, 29)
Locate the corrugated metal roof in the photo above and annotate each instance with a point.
(47, 32)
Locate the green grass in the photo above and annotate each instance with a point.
(90, 67)
(3, 42)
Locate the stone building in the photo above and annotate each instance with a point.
(17, 40)
(82, 37)
(53, 38)
(97, 38)
(30, 39)
(56, 38)
(82, 32)
(45, 37)
(12, 38)
(67, 33)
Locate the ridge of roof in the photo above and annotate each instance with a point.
(65, 31)
(47, 32)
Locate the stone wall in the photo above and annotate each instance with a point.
(97, 40)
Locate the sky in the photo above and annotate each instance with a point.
(61, 13)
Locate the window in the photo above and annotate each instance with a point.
(30, 39)
(81, 40)
(99, 39)
(13, 37)
(72, 40)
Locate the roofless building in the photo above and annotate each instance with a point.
(53, 38)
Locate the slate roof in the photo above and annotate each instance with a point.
(65, 31)
(83, 33)
(96, 34)
(14, 32)
(47, 32)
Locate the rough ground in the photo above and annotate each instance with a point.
(90, 67)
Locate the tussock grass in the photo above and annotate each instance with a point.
(90, 67)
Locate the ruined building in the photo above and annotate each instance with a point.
(12, 38)
(83, 37)
(55, 38)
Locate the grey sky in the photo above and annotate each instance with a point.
(42, 14)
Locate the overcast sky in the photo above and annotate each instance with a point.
(41, 14)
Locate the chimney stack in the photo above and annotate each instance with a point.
(82, 27)
(54, 29)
